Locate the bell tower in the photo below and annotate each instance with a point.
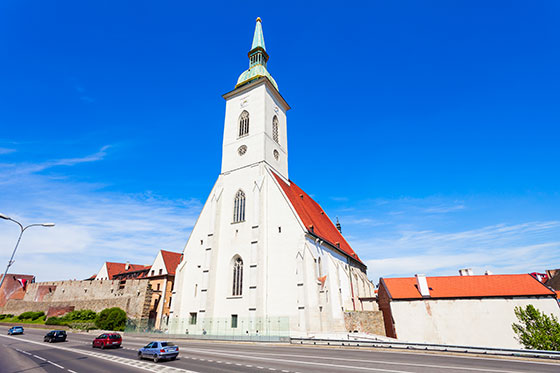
(255, 122)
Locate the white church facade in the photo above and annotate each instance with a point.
(263, 257)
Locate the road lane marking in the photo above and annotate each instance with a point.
(55, 364)
(40, 358)
(220, 352)
(71, 371)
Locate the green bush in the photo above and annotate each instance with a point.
(111, 319)
(6, 316)
(53, 320)
(30, 315)
(81, 315)
(537, 330)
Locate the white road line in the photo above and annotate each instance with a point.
(220, 352)
(40, 358)
(71, 371)
(55, 364)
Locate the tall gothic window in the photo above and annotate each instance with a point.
(244, 124)
(237, 277)
(239, 207)
(275, 128)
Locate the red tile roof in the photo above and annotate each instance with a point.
(171, 260)
(119, 268)
(468, 286)
(314, 218)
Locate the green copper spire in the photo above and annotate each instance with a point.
(258, 38)
(257, 60)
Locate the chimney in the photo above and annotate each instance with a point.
(488, 273)
(466, 272)
(422, 284)
(127, 266)
(338, 226)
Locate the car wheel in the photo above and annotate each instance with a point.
(174, 357)
(102, 346)
(140, 355)
(156, 358)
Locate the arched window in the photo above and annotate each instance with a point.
(244, 124)
(275, 128)
(239, 207)
(237, 277)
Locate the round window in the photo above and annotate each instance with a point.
(276, 154)
(242, 149)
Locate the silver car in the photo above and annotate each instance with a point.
(159, 351)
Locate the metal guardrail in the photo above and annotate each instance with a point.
(430, 347)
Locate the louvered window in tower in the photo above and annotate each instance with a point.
(244, 124)
(239, 207)
(275, 128)
(237, 277)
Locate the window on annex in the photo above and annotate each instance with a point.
(237, 277)
(160, 271)
(192, 320)
(275, 128)
(234, 321)
(239, 207)
(244, 124)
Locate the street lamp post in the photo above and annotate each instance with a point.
(22, 229)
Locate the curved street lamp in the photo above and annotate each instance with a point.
(22, 229)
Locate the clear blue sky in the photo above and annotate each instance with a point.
(431, 128)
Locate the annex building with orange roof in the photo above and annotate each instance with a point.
(461, 310)
(263, 257)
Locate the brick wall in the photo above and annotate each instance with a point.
(365, 322)
(133, 296)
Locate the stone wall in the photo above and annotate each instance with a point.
(133, 296)
(370, 322)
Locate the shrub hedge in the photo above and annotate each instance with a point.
(111, 319)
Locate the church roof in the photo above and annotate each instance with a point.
(314, 218)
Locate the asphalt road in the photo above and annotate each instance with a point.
(28, 353)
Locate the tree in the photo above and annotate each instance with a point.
(537, 330)
(111, 319)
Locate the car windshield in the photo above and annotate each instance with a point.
(167, 344)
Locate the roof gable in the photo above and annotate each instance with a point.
(314, 218)
(171, 260)
(468, 286)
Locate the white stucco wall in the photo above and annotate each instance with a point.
(472, 322)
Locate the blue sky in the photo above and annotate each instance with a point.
(431, 129)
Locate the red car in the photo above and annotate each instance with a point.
(107, 340)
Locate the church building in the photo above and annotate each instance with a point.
(263, 257)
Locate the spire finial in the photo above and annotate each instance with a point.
(259, 19)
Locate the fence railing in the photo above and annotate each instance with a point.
(429, 347)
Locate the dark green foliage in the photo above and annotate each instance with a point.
(537, 330)
(111, 319)
(30, 315)
(81, 315)
(76, 318)
(6, 316)
(54, 321)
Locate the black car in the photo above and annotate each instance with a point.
(55, 336)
